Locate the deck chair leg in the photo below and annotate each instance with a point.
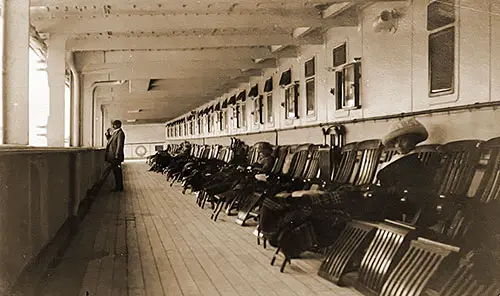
(283, 265)
(219, 209)
(274, 256)
(214, 212)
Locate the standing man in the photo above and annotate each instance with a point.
(114, 153)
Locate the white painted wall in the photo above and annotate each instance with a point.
(395, 76)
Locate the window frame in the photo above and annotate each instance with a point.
(291, 101)
(451, 94)
(269, 113)
(340, 86)
(308, 80)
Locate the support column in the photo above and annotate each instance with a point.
(56, 66)
(15, 80)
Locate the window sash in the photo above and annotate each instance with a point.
(270, 117)
(310, 96)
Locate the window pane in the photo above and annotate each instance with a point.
(256, 110)
(440, 13)
(269, 108)
(289, 103)
(442, 60)
(310, 96)
(309, 68)
(243, 115)
(349, 89)
(339, 55)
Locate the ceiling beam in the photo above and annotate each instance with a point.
(179, 42)
(210, 54)
(184, 4)
(176, 65)
(336, 9)
(179, 22)
(159, 73)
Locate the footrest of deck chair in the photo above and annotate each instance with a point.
(246, 208)
(386, 249)
(345, 254)
(417, 267)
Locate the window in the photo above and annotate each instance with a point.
(310, 87)
(270, 108)
(225, 121)
(347, 88)
(291, 101)
(243, 115)
(339, 55)
(291, 95)
(209, 123)
(441, 28)
(257, 110)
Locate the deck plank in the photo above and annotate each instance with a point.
(153, 240)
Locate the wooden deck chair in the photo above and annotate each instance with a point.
(416, 268)
(297, 168)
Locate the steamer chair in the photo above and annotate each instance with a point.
(363, 159)
(232, 200)
(298, 172)
(243, 185)
(459, 274)
(386, 246)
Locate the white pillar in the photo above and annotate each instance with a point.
(15, 80)
(56, 67)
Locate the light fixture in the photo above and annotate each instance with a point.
(131, 120)
(387, 21)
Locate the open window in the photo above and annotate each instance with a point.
(291, 95)
(441, 27)
(347, 88)
(268, 90)
(241, 118)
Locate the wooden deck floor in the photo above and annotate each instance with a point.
(152, 240)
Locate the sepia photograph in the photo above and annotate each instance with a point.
(250, 147)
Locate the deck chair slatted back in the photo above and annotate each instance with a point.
(489, 186)
(206, 152)
(385, 248)
(299, 161)
(313, 166)
(199, 151)
(368, 158)
(279, 161)
(418, 265)
(229, 155)
(222, 154)
(344, 168)
(458, 164)
(342, 256)
(428, 154)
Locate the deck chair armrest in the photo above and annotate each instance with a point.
(302, 193)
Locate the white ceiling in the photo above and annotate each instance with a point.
(178, 55)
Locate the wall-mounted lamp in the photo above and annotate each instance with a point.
(387, 21)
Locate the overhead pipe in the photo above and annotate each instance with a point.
(94, 86)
